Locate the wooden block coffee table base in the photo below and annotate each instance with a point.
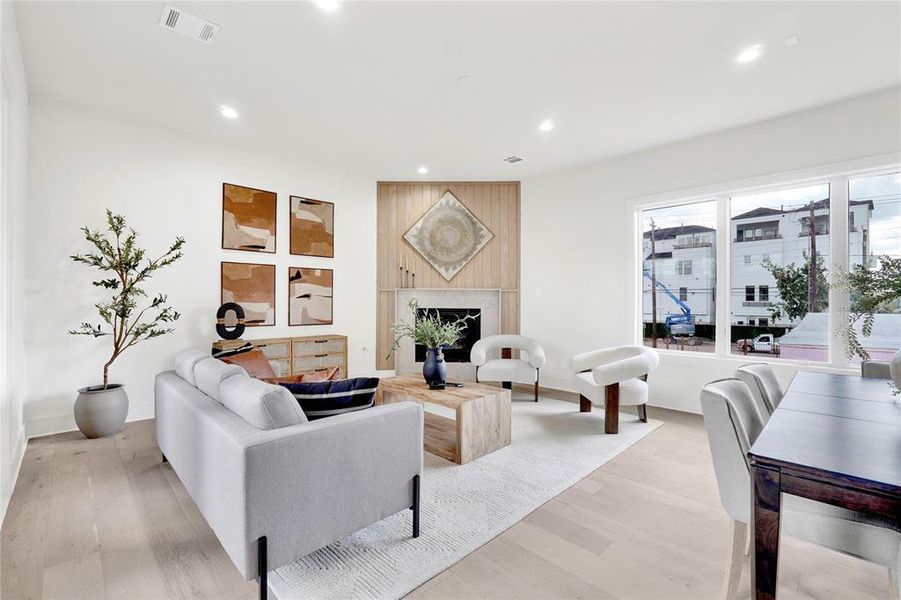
(481, 426)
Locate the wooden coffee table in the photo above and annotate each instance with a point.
(482, 423)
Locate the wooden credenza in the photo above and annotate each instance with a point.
(309, 354)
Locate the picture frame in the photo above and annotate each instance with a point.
(249, 219)
(310, 296)
(311, 227)
(252, 285)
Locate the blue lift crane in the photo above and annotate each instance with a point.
(678, 326)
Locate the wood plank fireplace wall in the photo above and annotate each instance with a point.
(401, 204)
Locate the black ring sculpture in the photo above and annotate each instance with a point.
(224, 332)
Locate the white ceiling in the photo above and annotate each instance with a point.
(372, 89)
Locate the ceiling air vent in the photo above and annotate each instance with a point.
(512, 159)
(188, 25)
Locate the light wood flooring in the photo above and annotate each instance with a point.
(105, 519)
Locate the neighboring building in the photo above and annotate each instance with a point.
(685, 266)
(783, 236)
(685, 263)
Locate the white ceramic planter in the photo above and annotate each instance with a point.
(101, 412)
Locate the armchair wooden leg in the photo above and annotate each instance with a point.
(736, 560)
(611, 408)
(262, 567)
(536, 391)
(643, 413)
(584, 404)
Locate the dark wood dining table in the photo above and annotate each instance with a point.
(834, 439)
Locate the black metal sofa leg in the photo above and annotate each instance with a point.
(262, 567)
(415, 507)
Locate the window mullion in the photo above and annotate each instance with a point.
(839, 300)
(723, 296)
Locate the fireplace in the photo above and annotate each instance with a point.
(471, 334)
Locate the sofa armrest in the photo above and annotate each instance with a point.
(309, 485)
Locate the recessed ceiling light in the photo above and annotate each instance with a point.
(513, 159)
(228, 112)
(422, 170)
(327, 5)
(792, 40)
(749, 54)
(546, 125)
(466, 80)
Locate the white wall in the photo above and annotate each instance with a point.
(12, 253)
(576, 228)
(166, 184)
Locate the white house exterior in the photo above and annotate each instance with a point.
(685, 262)
(685, 265)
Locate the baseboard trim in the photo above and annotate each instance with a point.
(18, 457)
(64, 422)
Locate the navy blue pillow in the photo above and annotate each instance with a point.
(326, 398)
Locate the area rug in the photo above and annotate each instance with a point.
(463, 507)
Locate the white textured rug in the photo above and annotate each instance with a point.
(463, 507)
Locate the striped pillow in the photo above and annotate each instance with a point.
(326, 398)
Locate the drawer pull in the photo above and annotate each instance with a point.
(320, 341)
(319, 370)
(319, 355)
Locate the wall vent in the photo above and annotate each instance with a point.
(512, 159)
(186, 24)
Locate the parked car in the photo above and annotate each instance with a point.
(765, 342)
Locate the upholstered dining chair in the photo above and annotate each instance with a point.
(614, 377)
(733, 423)
(505, 368)
(761, 380)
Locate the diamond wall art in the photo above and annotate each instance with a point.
(448, 236)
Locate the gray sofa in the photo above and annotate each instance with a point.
(276, 494)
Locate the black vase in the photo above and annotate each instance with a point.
(434, 369)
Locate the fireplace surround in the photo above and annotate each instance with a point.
(453, 301)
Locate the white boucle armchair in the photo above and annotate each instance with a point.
(614, 377)
(506, 369)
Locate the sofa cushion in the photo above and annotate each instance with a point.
(184, 364)
(261, 404)
(210, 372)
(327, 398)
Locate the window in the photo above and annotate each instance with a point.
(778, 280)
(669, 318)
(784, 289)
(874, 205)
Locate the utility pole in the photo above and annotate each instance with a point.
(812, 265)
(653, 286)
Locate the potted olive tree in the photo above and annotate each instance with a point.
(429, 330)
(100, 410)
(873, 290)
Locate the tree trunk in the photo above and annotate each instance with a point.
(106, 373)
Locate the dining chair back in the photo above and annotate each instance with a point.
(764, 386)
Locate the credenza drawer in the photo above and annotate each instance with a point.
(316, 347)
(275, 350)
(319, 361)
(339, 375)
